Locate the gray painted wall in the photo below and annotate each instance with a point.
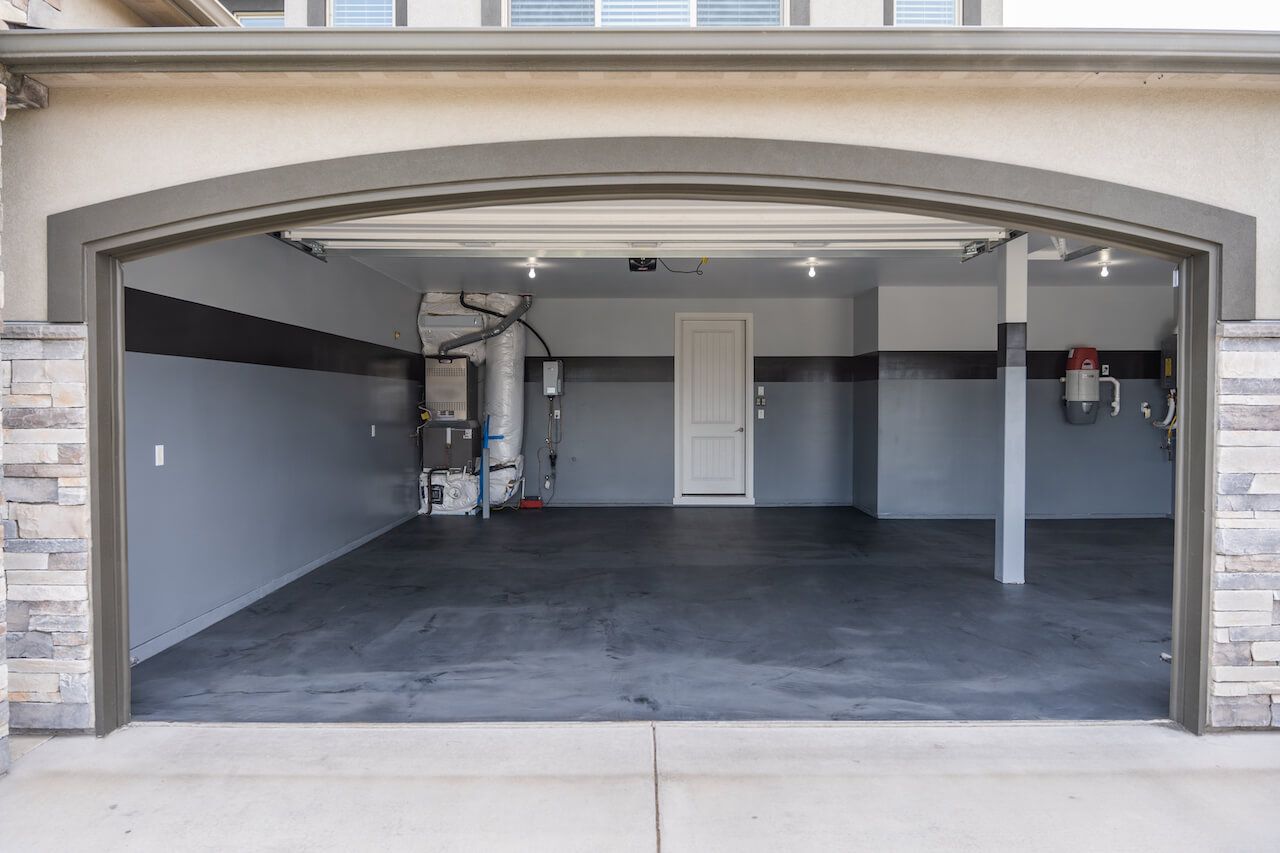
(938, 453)
(619, 443)
(267, 471)
(647, 326)
(265, 278)
(866, 447)
(619, 437)
(894, 448)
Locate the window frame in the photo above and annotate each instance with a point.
(328, 19)
(275, 16)
(957, 17)
(784, 18)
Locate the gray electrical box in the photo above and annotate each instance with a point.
(452, 391)
(1169, 363)
(552, 378)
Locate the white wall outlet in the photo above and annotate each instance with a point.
(1106, 370)
(373, 430)
(159, 455)
(759, 390)
(759, 414)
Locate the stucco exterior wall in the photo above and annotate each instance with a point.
(82, 14)
(1129, 130)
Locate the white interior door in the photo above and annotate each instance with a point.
(712, 407)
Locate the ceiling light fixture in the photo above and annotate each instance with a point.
(1106, 270)
(812, 264)
(533, 267)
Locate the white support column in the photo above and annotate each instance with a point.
(1011, 374)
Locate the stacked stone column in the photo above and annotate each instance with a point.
(46, 525)
(1245, 676)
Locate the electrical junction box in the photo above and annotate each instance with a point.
(1169, 363)
(552, 378)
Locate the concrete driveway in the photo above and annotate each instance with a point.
(643, 786)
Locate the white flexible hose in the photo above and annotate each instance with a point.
(1115, 395)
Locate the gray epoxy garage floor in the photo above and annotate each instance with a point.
(692, 614)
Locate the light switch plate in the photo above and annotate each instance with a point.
(373, 430)
(159, 455)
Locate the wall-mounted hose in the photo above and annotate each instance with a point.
(1115, 393)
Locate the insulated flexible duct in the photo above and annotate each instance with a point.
(504, 397)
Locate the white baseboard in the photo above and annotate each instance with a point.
(173, 636)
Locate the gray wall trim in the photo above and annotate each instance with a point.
(491, 13)
(317, 13)
(1194, 491)
(798, 14)
(505, 49)
(87, 244)
(971, 13)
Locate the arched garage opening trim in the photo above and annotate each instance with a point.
(1215, 246)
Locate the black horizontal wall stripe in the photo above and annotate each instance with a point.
(821, 368)
(937, 365)
(164, 325)
(944, 364)
(1041, 364)
(618, 368)
(1124, 364)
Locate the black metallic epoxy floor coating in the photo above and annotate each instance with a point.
(692, 614)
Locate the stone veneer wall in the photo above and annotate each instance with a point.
(4, 594)
(1245, 676)
(46, 525)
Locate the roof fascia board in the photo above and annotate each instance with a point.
(184, 13)
(884, 49)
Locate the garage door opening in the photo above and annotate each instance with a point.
(305, 546)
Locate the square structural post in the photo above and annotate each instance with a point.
(1011, 376)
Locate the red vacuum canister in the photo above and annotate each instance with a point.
(1081, 392)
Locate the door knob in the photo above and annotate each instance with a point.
(741, 429)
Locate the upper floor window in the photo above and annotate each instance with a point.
(925, 13)
(362, 13)
(645, 13)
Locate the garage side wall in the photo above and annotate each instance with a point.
(285, 407)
